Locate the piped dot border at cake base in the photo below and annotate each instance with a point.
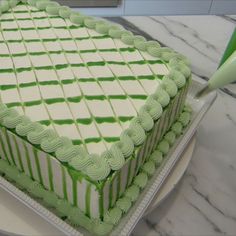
(112, 217)
(97, 169)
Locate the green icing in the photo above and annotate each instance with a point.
(52, 8)
(87, 200)
(161, 96)
(184, 118)
(169, 86)
(98, 169)
(123, 204)
(149, 168)
(177, 128)
(50, 198)
(113, 216)
(36, 189)
(132, 193)
(170, 137)
(114, 157)
(10, 171)
(163, 146)
(63, 206)
(64, 12)
(141, 180)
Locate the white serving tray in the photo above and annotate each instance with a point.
(129, 221)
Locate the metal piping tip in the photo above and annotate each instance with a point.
(204, 91)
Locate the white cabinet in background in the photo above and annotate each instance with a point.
(165, 7)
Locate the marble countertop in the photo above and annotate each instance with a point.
(204, 203)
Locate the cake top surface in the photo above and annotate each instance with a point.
(74, 75)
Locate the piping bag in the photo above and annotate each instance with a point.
(225, 74)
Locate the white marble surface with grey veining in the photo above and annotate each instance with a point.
(204, 203)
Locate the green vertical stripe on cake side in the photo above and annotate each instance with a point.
(9, 146)
(64, 182)
(88, 200)
(129, 173)
(28, 159)
(18, 152)
(110, 193)
(118, 184)
(3, 146)
(74, 189)
(50, 174)
(36, 158)
(101, 206)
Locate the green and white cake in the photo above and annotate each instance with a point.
(88, 110)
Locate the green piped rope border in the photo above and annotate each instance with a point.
(122, 205)
(135, 135)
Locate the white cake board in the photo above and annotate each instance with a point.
(16, 218)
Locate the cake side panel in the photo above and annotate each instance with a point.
(123, 179)
(49, 172)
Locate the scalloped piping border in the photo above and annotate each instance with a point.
(99, 167)
(123, 204)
